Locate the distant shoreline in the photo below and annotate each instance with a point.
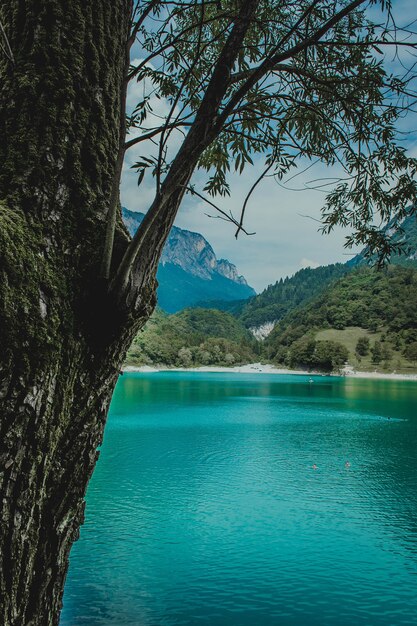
(259, 368)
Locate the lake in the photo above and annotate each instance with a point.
(251, 500)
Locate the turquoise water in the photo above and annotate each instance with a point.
(205, 508)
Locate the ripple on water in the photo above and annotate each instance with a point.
(205, 508)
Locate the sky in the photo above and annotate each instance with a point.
(286, 231)
(283, 218)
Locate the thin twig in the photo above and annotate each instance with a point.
(227, 216)
(251, 190)
(6, 48)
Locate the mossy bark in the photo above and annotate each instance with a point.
(66, 322)
(62, 338)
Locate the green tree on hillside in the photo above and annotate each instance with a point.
(322, 355)
(362, 346)
(301, 353)
(283, 82)
(330, 355)
(185, 357)
(376, 352)
(411, 351)
(386, 352)
(203, 356)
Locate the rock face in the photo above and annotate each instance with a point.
(194, 254)
(189, 271)
(261, 332)
(229, 271)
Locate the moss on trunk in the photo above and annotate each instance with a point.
(62, 338)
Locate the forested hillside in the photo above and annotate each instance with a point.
(192, 337)
(367, 318)
(286, 294)
(326, 316)
(372, 314)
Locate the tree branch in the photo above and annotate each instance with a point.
(291, 69)
(227, 216)
(251, 190)
(6, 47)
(115, 190)
(269, 63)
(138, 23)
(152, 133)
(362, 44)
(161, 214)
(135, 70)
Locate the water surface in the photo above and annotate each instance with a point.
(205, 508)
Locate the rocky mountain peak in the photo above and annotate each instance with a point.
(188, 255)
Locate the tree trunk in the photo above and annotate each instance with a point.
(62, 338)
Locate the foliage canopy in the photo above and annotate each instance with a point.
(283, 82)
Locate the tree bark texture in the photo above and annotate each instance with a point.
(62, 338)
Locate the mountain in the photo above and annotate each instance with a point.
(189, 271)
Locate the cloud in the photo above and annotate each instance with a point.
(308, 263)
(285, 223)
